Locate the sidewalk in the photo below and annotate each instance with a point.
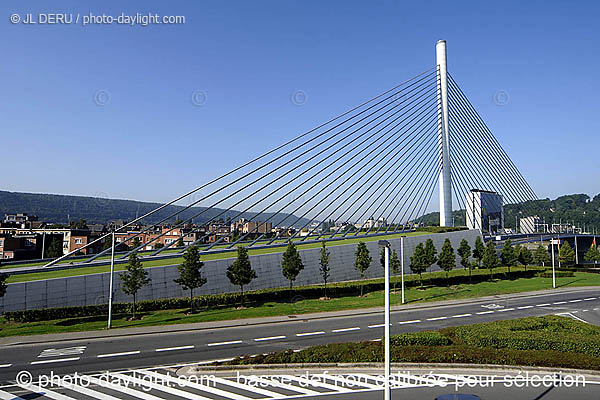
(152, 330)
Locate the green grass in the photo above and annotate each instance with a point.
(268, 309)
(77, 271)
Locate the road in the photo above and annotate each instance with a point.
(206, 345)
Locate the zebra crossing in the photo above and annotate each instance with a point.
(166, 383)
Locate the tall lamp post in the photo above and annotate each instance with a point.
(111, 279)
(386, 331)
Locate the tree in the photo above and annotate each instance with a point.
(190, 274)
(362, 262)
(55, 248)
(240, 273)
(179, 243)
(540, 255)
(464, 251)
(291, 264)
(566, 254)
(382, 257)
(108, 242)
(430, 254)
(447, 259)
(508, 255)
(525, 256)
(417, 262)
(324, 266)
(81, 224)
(135, 243)
(158, 245)
(593, 254)
(3, 278)
(490, 258)
(134, 278)
(479, 250)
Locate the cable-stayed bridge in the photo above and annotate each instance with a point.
(372, 170)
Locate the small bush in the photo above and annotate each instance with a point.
(426, 338)
(558, 274)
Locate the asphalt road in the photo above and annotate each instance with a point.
(94, 355)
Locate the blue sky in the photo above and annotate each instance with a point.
(149, 142)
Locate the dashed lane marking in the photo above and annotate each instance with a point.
(507, 309)
(414, 321)
(176, 348)
(560, 302)
(524, 307)
(125, 353)
(224, 343)
(356, 328)
(461, 315)
(575, 301)
(55, 361)
(436, 318)
(264, 339)
(543, 305)
(485, 312)
(589, 299)
(5, 365)
(310, 333)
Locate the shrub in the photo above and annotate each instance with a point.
(425, 338)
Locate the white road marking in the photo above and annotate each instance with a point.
(310, 333)
(46, 392)
(86, 391)
(123, 389)
(262, 339)
(249, 388)
(560, 302)
(377, 326)
(125, 353)
(414, 321)
(356, 328)
(68, 351)
(151, 383)
(543, 305)
(53, 361)
(589, 299)
(198, 386)
(575, 301)
(7, 396)
(461, 315)
(507, 309)
(436, 318)
(224, 343)
(176, 348)
(570, 314)
(5, 365)
(524, 307)
(485, 312)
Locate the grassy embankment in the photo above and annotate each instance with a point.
(77, 271)
(283, 306)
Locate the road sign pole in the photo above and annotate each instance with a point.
(387, 324)
(111, 279)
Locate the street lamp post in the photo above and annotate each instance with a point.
(386, 391)
(402, 264)
(553, 269)
(111, 279)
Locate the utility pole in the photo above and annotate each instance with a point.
(553, 269)
(443, 136)
(111, 279)
(386, 331)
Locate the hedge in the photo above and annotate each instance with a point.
(426, 338)
(541, 333)
(558, 274)
(343, 289)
